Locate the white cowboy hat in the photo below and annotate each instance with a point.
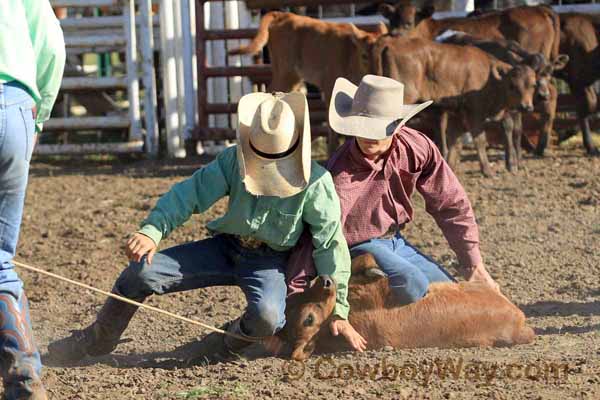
(372, 110)
(274, 143)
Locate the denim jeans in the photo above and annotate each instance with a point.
(18, 353)
(216, 261)
(409, 271)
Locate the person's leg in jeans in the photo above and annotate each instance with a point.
(432, 270)
(216, 261)
(260, 274)
(184, 267)
(19, 357)
(409, 272)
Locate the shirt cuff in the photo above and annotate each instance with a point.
(469, 257)
(152, 232)
(341, 311)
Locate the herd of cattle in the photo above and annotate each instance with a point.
(487, 74)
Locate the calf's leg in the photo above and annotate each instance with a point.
(481, 145)
(509, 148)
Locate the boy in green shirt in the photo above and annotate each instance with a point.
(274, 190)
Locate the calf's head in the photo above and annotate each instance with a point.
(307, 314)
(518, 84)
(404, 15)
(544, 70)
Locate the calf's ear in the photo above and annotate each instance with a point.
(560, 62)
(537, 62)
(499, 71)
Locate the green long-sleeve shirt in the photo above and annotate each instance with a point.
(32, 51)
(276, 221)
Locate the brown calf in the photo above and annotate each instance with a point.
(460, 79)
(404, 15)
(536, 29)
(304, 49)
(450, 315)
(512, 53)
(537, 126)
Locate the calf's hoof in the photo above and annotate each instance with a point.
(593, 152)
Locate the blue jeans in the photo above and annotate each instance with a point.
(18, 353)
(409, 271)
(217, 261)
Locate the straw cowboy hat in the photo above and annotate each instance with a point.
(373, 110)
(274, 143)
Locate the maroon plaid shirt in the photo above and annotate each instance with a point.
(375, 198)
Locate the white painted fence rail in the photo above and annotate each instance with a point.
(100, 34)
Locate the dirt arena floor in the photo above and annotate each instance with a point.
(540, 231)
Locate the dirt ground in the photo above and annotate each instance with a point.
(540, 231)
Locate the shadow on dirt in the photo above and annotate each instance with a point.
(560, 309)
(180, 357)
(567, 329)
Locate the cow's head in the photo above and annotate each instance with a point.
(544, 71)
(519, 85)
(361, 53)
(404, 15)
(307, 314)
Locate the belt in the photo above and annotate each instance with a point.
(249, 242)
(392, 231)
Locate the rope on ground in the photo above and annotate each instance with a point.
(135, 303)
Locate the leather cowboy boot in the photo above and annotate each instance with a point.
(217, 347)
(21, 365)
(98, 339)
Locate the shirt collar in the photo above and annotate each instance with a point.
(362, 162)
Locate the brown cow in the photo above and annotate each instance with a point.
(579, 41)
(536, 29)
(467, 314)
(304, 49)
(512, 53)
(404, 15)
(537, 125)
(460, 79)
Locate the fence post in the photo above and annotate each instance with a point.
(133, 84)
(201, 65)
(169, 68)
(149, 77)
(188, 68)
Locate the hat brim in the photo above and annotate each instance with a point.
(343, 121)
(281, 177)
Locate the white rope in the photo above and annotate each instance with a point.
(135, 303)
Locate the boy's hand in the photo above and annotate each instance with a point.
(479, 273)
(342, 326)
(139, 245)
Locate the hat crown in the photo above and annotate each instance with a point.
(378, 96)
(273, 128)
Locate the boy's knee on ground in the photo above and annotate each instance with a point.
(138, 280)
(263, 319)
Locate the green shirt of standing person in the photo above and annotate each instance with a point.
(32, 59)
